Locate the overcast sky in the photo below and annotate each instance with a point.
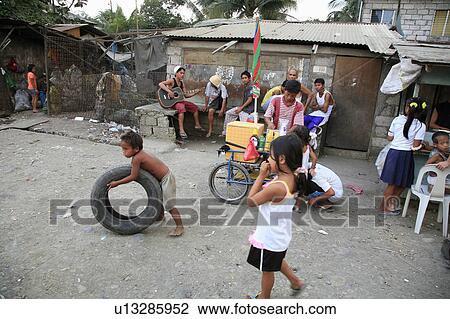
(306, 9)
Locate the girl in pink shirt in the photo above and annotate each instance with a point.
(32, 86)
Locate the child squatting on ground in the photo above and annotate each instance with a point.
(440, 153)
(275, 202)
(406, 134)
(132, 146)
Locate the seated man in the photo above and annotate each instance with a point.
(183, 106)
(440, 118)
(322, 105)
(293, 75)
(275, 91)
(325, 188)
(243, 111)
(285, 110)
(215, 99)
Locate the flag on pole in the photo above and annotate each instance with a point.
(256, 68)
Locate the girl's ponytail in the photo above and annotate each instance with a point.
(416, 109)
(408, 124)
(302, 182)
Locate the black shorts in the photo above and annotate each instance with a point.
(216, 104)
(271, 260)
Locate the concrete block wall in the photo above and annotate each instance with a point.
(154, 121)
(416, 16)
(175, 55)
(386, 109)
(322, 66)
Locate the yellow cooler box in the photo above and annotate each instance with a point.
(238, 137)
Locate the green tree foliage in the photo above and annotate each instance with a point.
(153, 14)
(266, 9)
(343, 11)
(39, 11)
(158, 15)
(113, 21)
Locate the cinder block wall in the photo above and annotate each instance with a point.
(386, 109)
(322, 66)
(416, 16)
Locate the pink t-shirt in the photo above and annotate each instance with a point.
(31, 78)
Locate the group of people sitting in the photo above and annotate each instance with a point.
(282, 104)
(283, 110)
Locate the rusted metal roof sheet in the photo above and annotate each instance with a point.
(425, 53)
(376, 37)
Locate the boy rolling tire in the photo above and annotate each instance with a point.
(113, 220)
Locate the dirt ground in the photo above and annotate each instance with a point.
(69, 260)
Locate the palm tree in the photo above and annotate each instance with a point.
(343, 10)
(267, 9)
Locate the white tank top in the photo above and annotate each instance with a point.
(321, 102)
(274, 228)
(305, 159)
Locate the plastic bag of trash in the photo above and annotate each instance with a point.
(379, 163)
(22, 101)
(400, 77)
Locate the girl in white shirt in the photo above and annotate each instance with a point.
(405, 134)
(275, 202)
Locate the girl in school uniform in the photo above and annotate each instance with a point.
(275, 202)
(405, 134)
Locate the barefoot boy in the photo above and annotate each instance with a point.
(132, 146)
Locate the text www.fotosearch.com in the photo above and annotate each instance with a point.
(247, 309)
(186, 308)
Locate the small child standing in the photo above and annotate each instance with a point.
(132, 147)
(440, 153)
(406, 134)
(275, 202)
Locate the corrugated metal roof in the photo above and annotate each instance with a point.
(377, 37)
(67, 27)
(425, 53)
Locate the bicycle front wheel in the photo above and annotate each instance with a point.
(229, 182)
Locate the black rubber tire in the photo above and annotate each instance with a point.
(122, 224)
(219, 196)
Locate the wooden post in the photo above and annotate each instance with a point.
(46, 69)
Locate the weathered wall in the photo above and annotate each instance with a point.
(387, 108)
(322, 66)
(416, 16)
(25, 51)
(276, 59)
(201, 64)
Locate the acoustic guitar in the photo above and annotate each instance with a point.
(167, 102)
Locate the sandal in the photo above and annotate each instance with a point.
(253, 296)
(183, 135)
(200, 129)
(297, 291)
(391, 213)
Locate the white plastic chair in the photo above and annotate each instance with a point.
(437, 194)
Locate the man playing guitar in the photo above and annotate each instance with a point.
(184, 106)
